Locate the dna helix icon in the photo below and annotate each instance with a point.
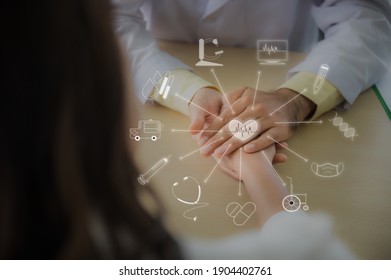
(349, 132)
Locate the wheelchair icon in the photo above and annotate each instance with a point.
(293, 202)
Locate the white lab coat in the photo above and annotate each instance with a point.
(357, 44)
(286, 235)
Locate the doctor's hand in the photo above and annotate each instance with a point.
(204, 107)
(276, 113)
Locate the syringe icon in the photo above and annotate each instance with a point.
(144, 178)
(324, 68)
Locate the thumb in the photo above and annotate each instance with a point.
(197, 120)
(279, 158)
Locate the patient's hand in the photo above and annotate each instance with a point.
(232, 163)
(204, 107)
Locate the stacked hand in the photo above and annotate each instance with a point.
(276, 113)
(263, 184)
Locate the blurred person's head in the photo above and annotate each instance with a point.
(67, 184)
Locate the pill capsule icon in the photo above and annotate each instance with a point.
(240, 213)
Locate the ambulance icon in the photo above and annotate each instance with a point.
(147, 129)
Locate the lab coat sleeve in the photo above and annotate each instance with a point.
(356, 45)
(285, 235)
(327, 98)
(145, 57)
(183, 88)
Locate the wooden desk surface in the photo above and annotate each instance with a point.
(358, 199)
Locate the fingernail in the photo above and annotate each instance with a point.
(203, 140)
(220, 150)
(249, 147)
(205, 150)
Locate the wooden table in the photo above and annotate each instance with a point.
(359, 199)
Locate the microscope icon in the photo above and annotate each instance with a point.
(202, 56)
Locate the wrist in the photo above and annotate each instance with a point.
(302, 107)
(203, 91)
(254, 165)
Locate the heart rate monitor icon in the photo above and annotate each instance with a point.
(243, 131)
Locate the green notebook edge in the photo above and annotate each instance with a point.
(382, 102)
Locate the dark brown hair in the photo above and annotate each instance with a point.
(67, 183)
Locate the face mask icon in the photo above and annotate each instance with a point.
(327, 170)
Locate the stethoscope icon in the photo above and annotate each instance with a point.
(196, 202)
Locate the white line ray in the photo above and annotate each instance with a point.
(207, 178)
(293, 152)
(182, 157)
(218, 82)
(240, 172)
(300, 122)
(190, 130)
(304, 90)
(256, 88)
(189, 102)
(275, 171)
